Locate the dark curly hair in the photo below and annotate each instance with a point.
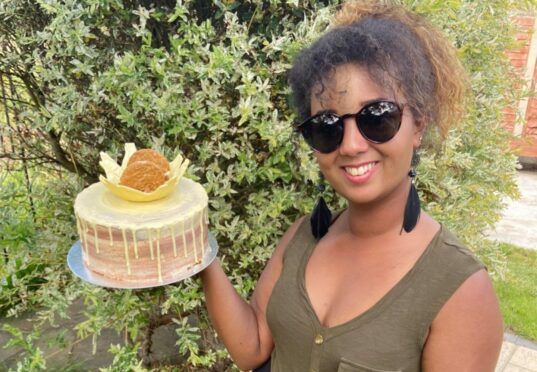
(399, 49)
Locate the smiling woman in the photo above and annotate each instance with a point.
(382, 286)
(360, 170)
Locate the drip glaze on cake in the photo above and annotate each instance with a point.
(140, 241)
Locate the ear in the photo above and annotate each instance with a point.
(419, 131)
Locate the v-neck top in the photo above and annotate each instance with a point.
(387, 337)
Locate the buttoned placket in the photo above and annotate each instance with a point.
(317, 348)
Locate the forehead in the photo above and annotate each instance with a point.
(347, 88)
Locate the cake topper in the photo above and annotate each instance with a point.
(143, 176)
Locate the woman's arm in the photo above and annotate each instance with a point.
(243, 326)
(467, 333)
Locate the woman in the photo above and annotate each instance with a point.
(381, 286)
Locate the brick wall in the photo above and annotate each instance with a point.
(519, 56)
(527, 144)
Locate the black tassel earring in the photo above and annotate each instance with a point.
(412, 208)
(321, 215)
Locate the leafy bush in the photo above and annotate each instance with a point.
(208, 79)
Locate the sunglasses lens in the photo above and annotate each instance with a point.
(323, 132)
(379, 121)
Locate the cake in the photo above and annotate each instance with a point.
(129, 236)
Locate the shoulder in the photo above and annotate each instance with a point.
(288, 236)
(470, 302)
(274, 266)
(454, 257)
(446, 252)
(273, 269)
(444, 266)
(466, 333)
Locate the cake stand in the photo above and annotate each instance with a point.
(76, 264)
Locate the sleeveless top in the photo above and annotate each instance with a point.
(387, 337)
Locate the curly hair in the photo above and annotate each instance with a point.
(399, 49)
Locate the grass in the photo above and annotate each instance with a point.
(516, 288)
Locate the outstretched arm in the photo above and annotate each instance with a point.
(242, 326)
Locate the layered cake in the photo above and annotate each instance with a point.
(132, 236)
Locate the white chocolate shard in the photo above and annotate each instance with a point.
(112, 170)
(130, 148)
(113, 175)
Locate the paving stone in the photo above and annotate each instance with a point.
(72, 354)
(525, 357)
(514, 227)
(59, 344)
(513, 368)
(508, 349)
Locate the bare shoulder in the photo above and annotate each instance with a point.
(467, 333)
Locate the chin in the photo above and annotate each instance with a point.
(358, 196)
(360, 200)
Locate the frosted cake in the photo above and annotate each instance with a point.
(146, 237)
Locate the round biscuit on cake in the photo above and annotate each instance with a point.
(150, 155)
(143, 175)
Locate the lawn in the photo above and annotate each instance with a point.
(516, 288)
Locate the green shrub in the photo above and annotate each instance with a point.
(208, 79)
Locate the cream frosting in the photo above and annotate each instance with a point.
(183, 211)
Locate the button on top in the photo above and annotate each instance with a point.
(318, 339)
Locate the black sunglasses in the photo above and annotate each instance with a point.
(378, 122)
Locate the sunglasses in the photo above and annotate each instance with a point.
(378, 122)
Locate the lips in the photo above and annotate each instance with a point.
(359, 170)
(359, 173)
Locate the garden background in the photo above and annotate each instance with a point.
(207, 79)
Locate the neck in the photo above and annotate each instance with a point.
(380, 218)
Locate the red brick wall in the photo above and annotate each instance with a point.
(527, 145)
(519, 56)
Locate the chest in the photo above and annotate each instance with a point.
(342, 282)
(309, 335)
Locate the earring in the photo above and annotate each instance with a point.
(321, 215)
(412, 208)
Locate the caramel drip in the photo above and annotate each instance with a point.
(110, 234)
(95, 238)
(150, 243)
(201, 236)
(173, 240)
(184, 238)
(158, 257)
(135, 243)
(126, 251)
(85, 239)
(80, 227)
(194, 241)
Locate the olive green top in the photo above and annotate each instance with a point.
(389, 336)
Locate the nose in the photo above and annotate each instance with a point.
(353, 141)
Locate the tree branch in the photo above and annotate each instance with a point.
(19, 157)
(20, 101)
(60, 156)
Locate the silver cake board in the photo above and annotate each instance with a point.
(76, 264)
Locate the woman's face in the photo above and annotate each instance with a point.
(361, 171)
